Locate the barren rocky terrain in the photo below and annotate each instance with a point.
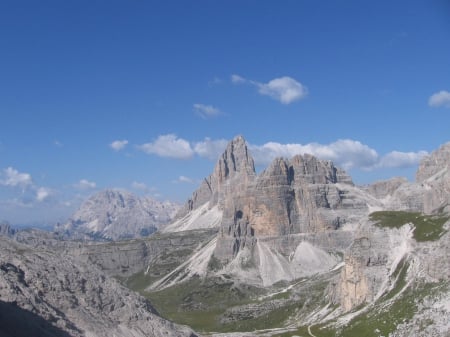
(296, 250)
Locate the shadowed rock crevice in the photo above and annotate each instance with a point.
(18, 322)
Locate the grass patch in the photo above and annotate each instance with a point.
(200, 304)
(427, 227)
(222, 305)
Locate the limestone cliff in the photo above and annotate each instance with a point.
(434, 175)
(235, 164)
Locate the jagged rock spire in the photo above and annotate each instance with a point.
(236, 163)
(236, 159)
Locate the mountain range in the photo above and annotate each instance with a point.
(295, 250)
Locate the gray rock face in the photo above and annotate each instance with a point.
(434, 176)
(114, 214)
(436, 162)
(301, 195)
(235, 164)
(126, 258)
(386, 188)
(74, 297)
(431, 191)
(6, 230)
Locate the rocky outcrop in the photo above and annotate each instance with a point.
(430, 193)
(6, 230)
(235, 164)
(74, 297)
(116, 214)
(434, 176)
(386, 188)
(123, 259)
(434, 163)
(300, 195)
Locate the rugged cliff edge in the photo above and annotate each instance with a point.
(72, 297)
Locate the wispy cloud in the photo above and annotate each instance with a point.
(345, 153)
(29, 191)
(215, 81)
(57, 143)
(209, 148)
(283, 89)
(440, 99)
(184, 179)
(206, 111)
(12, 177)
(139, 186)
(172, 146)
(43, 193)
(236, 79)
(85, 184)
(168, 146)
(118, 145)
(396, 159)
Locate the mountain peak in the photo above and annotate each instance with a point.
(235, 159)
(434, 163)
(118, 214)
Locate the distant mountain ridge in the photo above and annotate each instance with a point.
(118, 214)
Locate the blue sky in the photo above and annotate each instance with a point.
(143, 95)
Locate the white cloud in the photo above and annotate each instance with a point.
(237, 79)
(118, 145)
(215, 81)
(85, 184)
(441, 98)
(345, 153)
(43, 193)
(206, 111)
(184, 179)
(398, 159)
(284, 89)
(169, 146)
(13, 178)
(57, 143)
(139, 186)
(210, 149)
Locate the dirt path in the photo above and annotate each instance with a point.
(309, 331)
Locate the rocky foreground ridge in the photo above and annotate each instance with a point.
(47, 291)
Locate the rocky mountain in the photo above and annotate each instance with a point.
(295, 250)
(116, 214)
(47, 292)
(299, 198)
(235, 169)
(430, 193)
(377, 247)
